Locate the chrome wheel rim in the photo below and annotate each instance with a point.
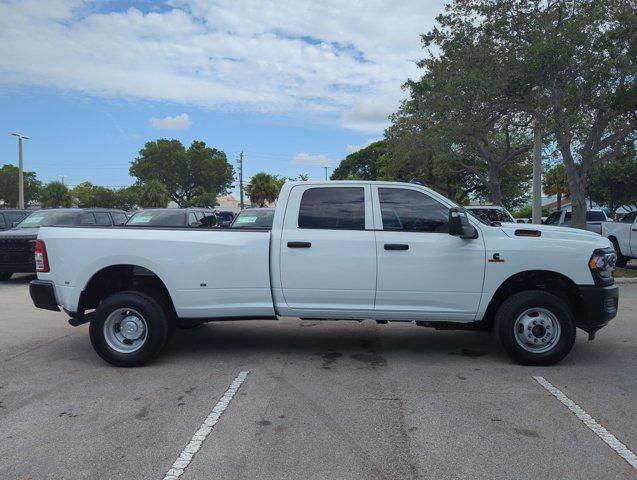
(537, 330)
(125, 330)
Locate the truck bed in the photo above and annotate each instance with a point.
(209, 272)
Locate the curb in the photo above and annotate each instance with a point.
(625, 280)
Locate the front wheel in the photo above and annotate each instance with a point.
(129, 329)
(535, 328)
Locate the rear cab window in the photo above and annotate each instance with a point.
(333, 208)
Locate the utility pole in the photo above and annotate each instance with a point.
(326, 167)
(62, 177)
(20, 170)
(241, 178)
(537, 175)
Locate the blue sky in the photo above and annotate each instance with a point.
(294, 85)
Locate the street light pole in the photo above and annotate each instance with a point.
(20, 170)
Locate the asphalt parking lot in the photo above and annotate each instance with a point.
(322, 400)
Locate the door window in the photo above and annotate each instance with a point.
(87, 219)
(334, 208)
(2, 222)
(412, 211)
(119, 218)
(103, 218)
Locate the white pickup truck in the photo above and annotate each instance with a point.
(623, 236)
(336, 251)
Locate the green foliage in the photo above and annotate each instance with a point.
(264, 188)
(186, 174)
(56, 195)
(154, 194)
(90, 196)
(555, 182)
(127, 198)
(9, 186)
(527, 212)
(614, 183)
(364, 164)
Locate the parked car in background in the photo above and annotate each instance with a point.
(9, 217)
(491, 213)
(522, 220)
(623, 236)
(18, 244)
(594, 219)
(224, 218)
(174, 217)
(254, 217)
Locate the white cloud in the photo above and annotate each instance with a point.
(303, 158)
(178, 122)
(355, 148)
(336, 61)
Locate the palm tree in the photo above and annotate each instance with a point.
(154, 195)
(56, 194)
(555, 183)
(263, 188)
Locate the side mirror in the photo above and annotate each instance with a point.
(459, 225)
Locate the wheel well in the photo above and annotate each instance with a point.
(550, 282)
(119, 278)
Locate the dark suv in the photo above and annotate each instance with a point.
(17, 244)
(10, 216)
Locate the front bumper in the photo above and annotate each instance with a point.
(43, 295)
(599, 306)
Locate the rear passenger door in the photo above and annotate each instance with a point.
(328, 251)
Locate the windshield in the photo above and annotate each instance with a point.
(492, 214)
(52, 218)
(254, 218)
(161, 218)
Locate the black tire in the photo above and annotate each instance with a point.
(4, 276)
(516, 305)
(621, 260)
(154, 313)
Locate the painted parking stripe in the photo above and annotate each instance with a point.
(188, 453)
(610, 439)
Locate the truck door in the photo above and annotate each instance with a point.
(328, 251)
(423, 272)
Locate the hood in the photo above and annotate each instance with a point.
(23, 233)
(558, 233)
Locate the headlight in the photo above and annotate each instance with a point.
(602, 264)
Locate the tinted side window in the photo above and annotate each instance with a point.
(341, 208)
(208, 219)
(629, 217)
(192, 220)
(119, 218)
(595, 216)
(14, 217)
(3, 224)
(87, 219)
(102, 218)
(553, 218)
(412, 211)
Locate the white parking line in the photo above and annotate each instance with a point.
(610, 439)
(188, 453)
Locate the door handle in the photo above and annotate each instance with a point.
(396, 246)
(299, 244)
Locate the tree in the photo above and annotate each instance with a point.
(154, 194)
(364, 164)
(9, 186)
(88, 195)
(186, 174)
(56, 195)
(555, 182)
(614, 183)
(263, 188)
(576, 60)
(127, 198)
